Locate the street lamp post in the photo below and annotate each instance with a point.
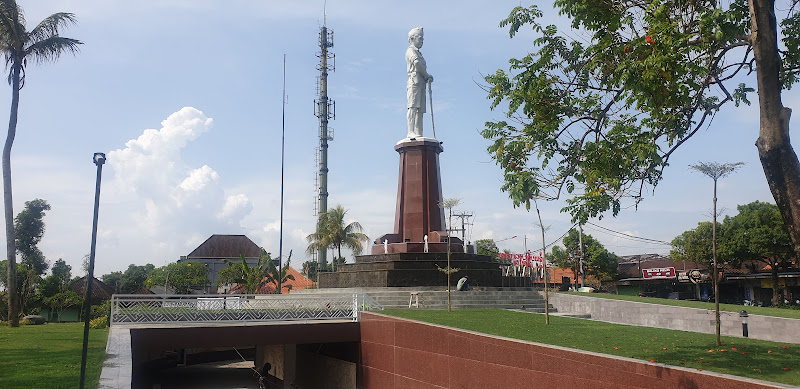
(99, 159)
(743, 315)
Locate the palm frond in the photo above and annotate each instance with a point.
(49, 26)
(12, 22)
(49, 49)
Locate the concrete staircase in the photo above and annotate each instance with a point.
(436, 297)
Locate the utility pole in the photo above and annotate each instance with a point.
(464, 216)
(325, 110)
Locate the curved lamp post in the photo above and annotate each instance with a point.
(99, 159)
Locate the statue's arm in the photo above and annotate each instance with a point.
(422, 69)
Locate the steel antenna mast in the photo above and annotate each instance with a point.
(325, 110)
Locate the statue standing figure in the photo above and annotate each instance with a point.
(418, 79)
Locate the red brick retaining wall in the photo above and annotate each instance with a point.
(398, 353)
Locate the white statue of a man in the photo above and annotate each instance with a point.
(426, 243)
(418, 79)
(386, 246)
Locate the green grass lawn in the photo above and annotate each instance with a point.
(766, 311)
(49, 356)
(759, 359)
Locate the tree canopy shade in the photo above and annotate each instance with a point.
(487, 247)
(695, 245)
(29, 227)
(180, 276)
(251, 278)
(599, 118)
(757, 234)
(41, 44)
(333, 233)
(130, 280)
(598, 261)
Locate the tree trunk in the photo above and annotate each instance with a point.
(11, 249)
(778, 158)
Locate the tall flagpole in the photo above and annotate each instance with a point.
(283, 136)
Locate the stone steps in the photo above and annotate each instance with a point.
(436, 297)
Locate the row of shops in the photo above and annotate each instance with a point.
(657, 276)
(653, 275)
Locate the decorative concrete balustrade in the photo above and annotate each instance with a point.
(165, 309)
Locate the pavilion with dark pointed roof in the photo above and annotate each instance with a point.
(217, 249)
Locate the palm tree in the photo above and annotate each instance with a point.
(41, 44)
(249, 278)
(273, 275)
(333, 233)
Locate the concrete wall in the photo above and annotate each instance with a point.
(676, 318)
(320, 371)
(272, 354)
(398, 353)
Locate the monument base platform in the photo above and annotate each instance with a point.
(412, 269)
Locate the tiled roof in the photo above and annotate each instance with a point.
(226, 246)
(300, 282)
(100, 290)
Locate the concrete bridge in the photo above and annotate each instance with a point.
(329, 339)
(303, 335)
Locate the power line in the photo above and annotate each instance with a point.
(630, 237)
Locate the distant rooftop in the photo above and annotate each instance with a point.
(226, 246)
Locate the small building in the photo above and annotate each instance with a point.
(100, 290)
(220, 248)
(653, 275)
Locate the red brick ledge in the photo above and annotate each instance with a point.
(402, 353)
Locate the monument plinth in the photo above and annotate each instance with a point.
(419, 193)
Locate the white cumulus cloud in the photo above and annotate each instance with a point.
(165, 200)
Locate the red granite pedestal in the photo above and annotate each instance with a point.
(402, 258)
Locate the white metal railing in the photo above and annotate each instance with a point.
(143, 309)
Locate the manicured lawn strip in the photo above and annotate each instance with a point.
(759, 359)
(766, 311)
(49, 356)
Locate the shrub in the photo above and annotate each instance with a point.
(99, 323)
(101, 310)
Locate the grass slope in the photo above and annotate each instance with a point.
(766, 311)
(758, 359)
(49, 356)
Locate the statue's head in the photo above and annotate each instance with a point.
(415, 32)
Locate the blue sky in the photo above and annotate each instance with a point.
(185, 97)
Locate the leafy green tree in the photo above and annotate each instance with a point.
(41, 44)
(63, 300)
(250, 278)
(333, 233)
(129, 281)
(58, 281)
(180, 276)
(29, 227)
(61, 271)
(597, 261)
(599, 117)
(757, 234)
(487, 247)
(114, 280)
(310, 269)
(694, 245)
(274, 274)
